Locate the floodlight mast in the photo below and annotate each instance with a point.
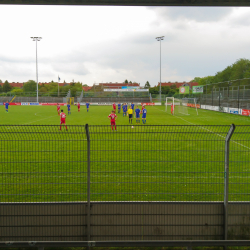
(160, 38)
(35, 39)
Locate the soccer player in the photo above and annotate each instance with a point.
(132, 106)
(124, 108)
(172, 108)
(114, 107)
(63, 120)
(68, 106)
(119, 107)
(58, 108)
(137, 114)
(7, 107)
(130, 114)
(112, 117)
(144, 114)
(87, 106)
(142, 106)
(78, 106)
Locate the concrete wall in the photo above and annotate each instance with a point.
(122, 221)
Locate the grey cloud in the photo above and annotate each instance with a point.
(71, 68)
(199, 14)
(243, 20)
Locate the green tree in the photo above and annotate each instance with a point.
(1, 88)
(165, 90)
(147, 85)
(126, 81)
(43, 90)
(239, 68)
(173, 86)
(30, 86)
(16, 90)
(6, 86)
(154, 90)
(1, 81)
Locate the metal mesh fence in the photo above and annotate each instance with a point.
(239, 173)
(42, 164)
(157, 163)
(141, 183)
(147, 163)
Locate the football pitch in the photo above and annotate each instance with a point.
(98, 115)
(152, 162)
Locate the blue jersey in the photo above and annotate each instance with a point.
(132, 106)
(68, 107)
(137, 112)
(144, 113)
(124, 108)
(119, 106)
(6, 105)
(87, 104)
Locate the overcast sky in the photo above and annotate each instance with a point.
(94, 44)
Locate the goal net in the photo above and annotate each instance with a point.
(176, 106)
(191, 103)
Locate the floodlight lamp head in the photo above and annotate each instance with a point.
(159, 38)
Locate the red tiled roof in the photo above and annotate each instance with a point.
(14, 84)
(86, 88)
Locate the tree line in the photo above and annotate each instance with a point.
(52, 87)
(238, 70)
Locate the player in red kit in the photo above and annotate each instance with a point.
(114, 107)
(78, 106)
(63, 120)
(142, 106)
(172, 108)
(112, 118)
(58, 108)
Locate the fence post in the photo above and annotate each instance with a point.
(88, 182)
(226, 178)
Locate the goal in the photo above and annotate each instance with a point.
(181, 106)
(191, 103)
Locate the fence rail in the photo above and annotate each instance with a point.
(147, 183)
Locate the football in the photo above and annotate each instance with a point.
(132, 127)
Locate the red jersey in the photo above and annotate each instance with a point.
(112, 117)
(114, 106)
(63, 117)
(78, 105)
(58, 107)
(172, 107)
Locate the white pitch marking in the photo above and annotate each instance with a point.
(209, 130)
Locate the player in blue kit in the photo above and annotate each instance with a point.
(119, 107)
(124, 107)
(7, 107)
(144, 114)
(68, 106)
(137, 114)
(87, 106)
(132, 106)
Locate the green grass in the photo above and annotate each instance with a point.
(148, 163)
(98, 115)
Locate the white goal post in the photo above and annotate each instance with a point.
(191, 103)
(180, 106)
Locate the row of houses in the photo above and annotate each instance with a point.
(101, 86)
